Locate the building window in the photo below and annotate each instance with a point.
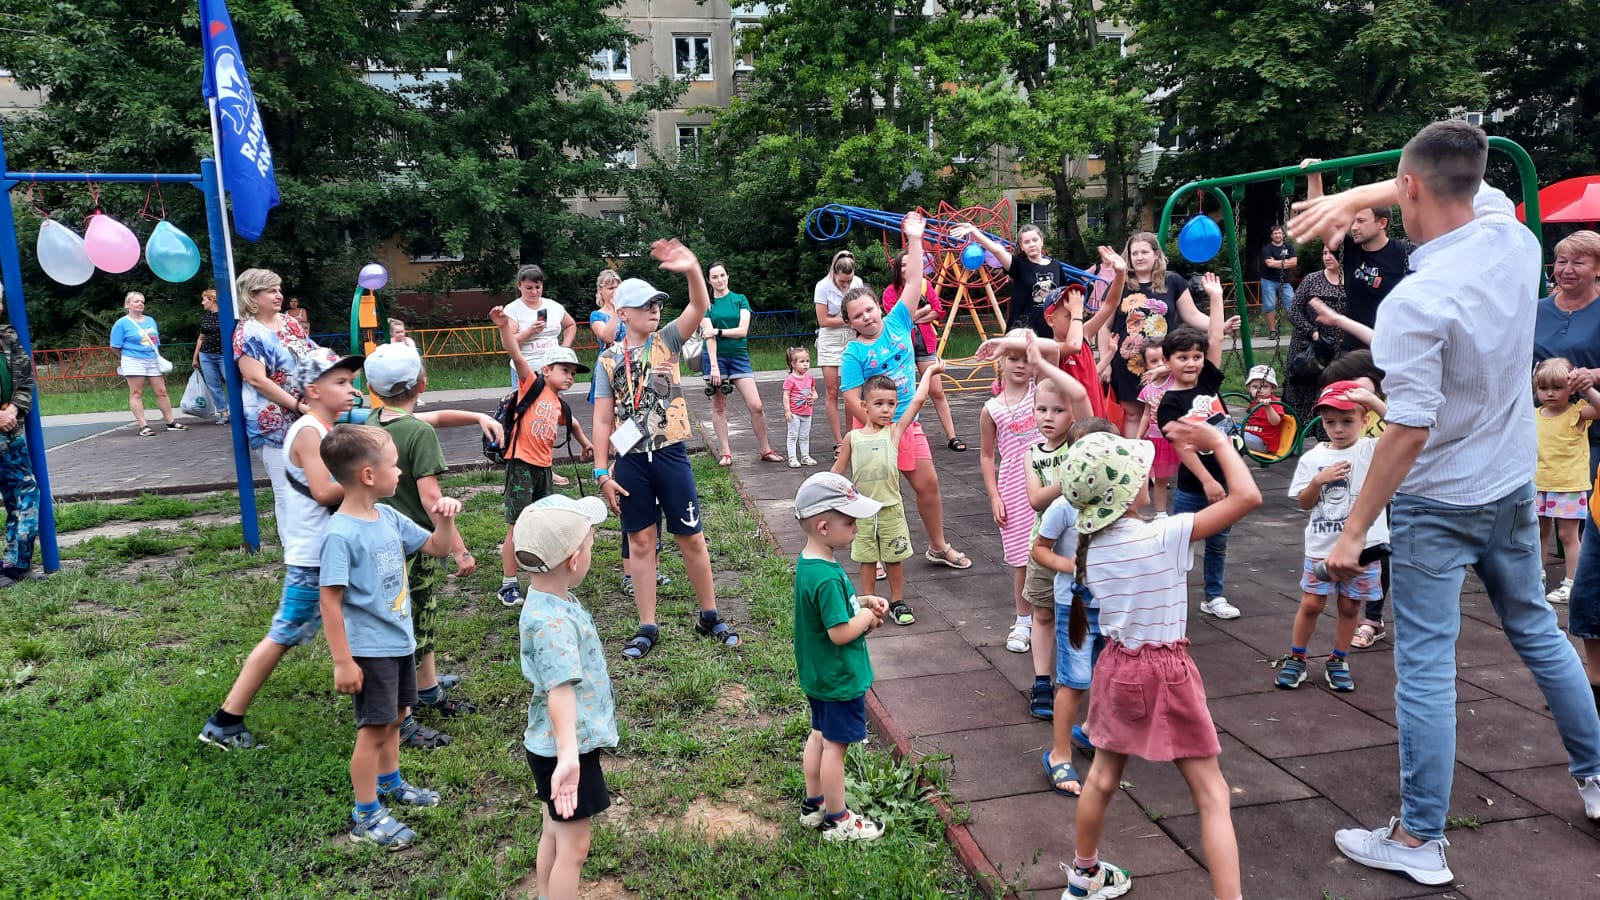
(1169, 136)
(689, 140)
(623, 159)
(691, 56)
(614, 216)
(1034, 212)
(611, 65)
(1094, 213)
(1118, 38)
(744, 59)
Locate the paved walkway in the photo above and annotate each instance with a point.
(1301, 764)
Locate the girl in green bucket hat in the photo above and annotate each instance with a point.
(1147, 698)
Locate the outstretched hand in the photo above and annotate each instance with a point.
(674, 256)
(497, 315)
(1112, 258)
(1327, 217)
(913, 226)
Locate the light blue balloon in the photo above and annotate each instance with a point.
(171, 254)
(1200, 239)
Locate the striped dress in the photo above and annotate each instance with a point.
(1014, 433)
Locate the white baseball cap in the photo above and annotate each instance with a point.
(393, 369)
(636, 292)
(830, 490)
(550, 530)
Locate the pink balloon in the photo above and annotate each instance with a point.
(110, 245)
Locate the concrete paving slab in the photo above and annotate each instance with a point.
(1017, 668)
(1288, 723)
(1030, 835)
(1366, 784)
(1494, 860)
(1001, 762)
(933, 704)
(1159, 787)
(1230, 668)
(1494, 735)
(1511, 681)
(910, 655)
(1553, 790)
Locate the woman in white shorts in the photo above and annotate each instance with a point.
(833, 333)
(136, 337)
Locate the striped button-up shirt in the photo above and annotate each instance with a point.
(1455, 340)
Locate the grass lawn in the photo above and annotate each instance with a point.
(109, 668)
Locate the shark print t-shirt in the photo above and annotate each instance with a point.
(643, 385)
(368, 559)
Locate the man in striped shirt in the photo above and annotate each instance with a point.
(1454, 339)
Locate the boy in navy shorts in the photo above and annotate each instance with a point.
(641, 421)
(572, 715)
(830, 650)
(366, 611)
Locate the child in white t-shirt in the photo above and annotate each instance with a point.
(1327, 482)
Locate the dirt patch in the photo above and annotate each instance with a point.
(738, 702)
(124, 529)
(715, 819)
(101, 609)
(156, 565)
(603, 889)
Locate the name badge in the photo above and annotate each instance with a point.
(625, 437)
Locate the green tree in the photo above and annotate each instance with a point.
(516, 130)
(122, 83)
(1546, 80)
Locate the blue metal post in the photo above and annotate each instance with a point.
(248, 517)
(11, 262)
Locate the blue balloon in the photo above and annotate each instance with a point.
(972, 256)
(1200, 239)
(171, 254)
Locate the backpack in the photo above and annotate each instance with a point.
(509, 414)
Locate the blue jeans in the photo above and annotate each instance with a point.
(1216, 545)
(1433, 544)
(216, 384)
(1275, 294)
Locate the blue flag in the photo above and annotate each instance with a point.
(246, 162)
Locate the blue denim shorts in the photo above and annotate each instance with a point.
(840, 721)
(1075, 665)
(299, 615)
(731, 367)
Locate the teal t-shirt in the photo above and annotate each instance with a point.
(724, 313)
(823, 598)
(560, 646)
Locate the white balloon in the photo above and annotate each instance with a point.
(62, 255)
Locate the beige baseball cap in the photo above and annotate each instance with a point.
(830, 490)
(550, 530)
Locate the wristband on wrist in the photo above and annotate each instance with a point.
(601, 473)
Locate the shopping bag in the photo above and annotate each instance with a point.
(195, 401)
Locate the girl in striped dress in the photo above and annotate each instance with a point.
(1006, 425)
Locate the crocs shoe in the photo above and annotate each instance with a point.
(231, 737)
(853, 827)
(1292, 674)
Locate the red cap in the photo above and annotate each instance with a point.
(1333, 396)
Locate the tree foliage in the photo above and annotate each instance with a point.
(1543, 74)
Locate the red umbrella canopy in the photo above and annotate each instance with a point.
(1572, 200)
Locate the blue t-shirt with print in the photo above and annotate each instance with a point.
(368, 560)
(1058, 525)
(136, 340)
(561, 646)
(891, 354)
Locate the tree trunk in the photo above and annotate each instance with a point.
(1065, 215)
(1116, 205)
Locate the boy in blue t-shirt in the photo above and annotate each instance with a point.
(366, 611)
(1056, 548)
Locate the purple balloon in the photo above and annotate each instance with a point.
(373, 276)
(990, 260)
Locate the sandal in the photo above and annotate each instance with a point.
(772, 456)
(1062, 774)
(957, 445)
(836, 451)
(725, 460)
(1042, 701)
(1080, 738)
(147, 431)
(718, 630)
(944, 558)
(177, 426)
(408, 794)
(1020, 638)
(1367, 634)
(882, 573)
(382, 829)
(900, 613)
(421, 737)
(447, 706)
(640, 645)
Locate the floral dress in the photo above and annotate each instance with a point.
(279, 352)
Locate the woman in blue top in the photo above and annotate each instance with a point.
(136, 337)
(882, 346)
(603, 322)
(726, 328)
(1568, 321)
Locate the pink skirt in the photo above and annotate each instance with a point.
(1166, 463)
(1150, 703)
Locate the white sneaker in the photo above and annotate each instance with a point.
(1105, 884)
(811, 818)
(794, 463)
(806, 460)
(1377, 849)
(853, 827)
(1220, 607)
(1589, 790)
(1562, 593)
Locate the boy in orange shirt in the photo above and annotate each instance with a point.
(530, 447)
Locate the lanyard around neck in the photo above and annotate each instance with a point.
(644, 368)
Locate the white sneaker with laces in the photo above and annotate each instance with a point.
(853, 827)
(1220, 607)
(1376, 848)
(1589, 790)
(1562, 593)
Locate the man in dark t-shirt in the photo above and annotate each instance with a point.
(1373, 264)
(1278, 263)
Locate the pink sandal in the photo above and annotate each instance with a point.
(1367, 634)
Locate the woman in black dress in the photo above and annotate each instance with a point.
(1326, 285)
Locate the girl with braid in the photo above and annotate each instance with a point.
(1147, 698)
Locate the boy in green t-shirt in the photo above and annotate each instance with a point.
(830, 651)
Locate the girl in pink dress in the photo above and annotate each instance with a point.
(1166, 462)
(1006, 424)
